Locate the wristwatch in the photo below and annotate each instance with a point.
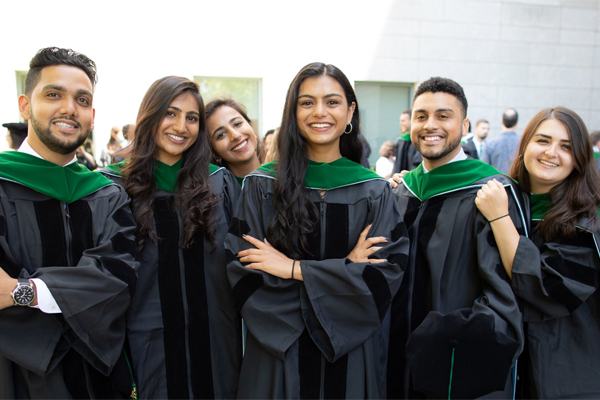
(24, 293)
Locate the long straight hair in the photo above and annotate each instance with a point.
(578, 195)
(295, 214)
(194, 199)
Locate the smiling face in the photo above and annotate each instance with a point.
(59, 111)
(322, 113)
(436, 127)
(548, 157)
(233, 140)
(178, 129)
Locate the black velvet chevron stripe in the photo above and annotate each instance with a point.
(200, 355)
(169, 280)
(123, 245)
(559, 292)
(121, 271)
(573, 270)
(245, 287)
(123, 218)
(399, 231)
(309, 367)
(2, 226)
(239, 227)
(379, 288)
(81, 223)
(52, 232)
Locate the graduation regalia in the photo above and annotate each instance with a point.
(183, 329)
(325, 337)
(407, 158)
(558, 282)
(73, 229)
(455, 311)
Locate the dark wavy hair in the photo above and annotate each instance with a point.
(211, 107)
(194, 199)
(295, 214)
(50, 56)
(579, 194)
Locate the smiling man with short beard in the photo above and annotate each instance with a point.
(455, 302)
(67, 250)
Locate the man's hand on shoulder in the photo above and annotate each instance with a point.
(396, 179)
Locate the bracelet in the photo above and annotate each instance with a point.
(293, 265)
(496, 219)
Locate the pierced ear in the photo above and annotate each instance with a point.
(24, 107)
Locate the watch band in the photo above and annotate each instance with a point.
(24, 293)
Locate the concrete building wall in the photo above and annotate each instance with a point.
(527, 54)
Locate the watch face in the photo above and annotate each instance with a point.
(23, 295)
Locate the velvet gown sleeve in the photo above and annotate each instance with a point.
(93, 294)
(343, 302)
(340, 303)
(555, 278)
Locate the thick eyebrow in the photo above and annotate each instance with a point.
(222, 126)
(179, 109)
(325, 97)
(438, 110)
(59, 88)
(550, 137)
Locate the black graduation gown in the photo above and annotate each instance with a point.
(325, 337)
(454, 278)
(84, 252)
(407, 158)
(183, 329)
(558, 283)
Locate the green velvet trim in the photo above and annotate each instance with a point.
(448, 177)
(67, 184)
(405, 136)
(540, 205)
(165, 175)
(240, 179)
(326, 176)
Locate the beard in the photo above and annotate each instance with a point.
(438, 154)
(53, 143)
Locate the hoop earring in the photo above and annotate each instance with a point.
(347, 132)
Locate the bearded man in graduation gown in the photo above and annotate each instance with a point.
(67, 250)
(456, 325)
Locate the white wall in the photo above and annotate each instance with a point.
(526, 54)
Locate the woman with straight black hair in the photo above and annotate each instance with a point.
(556, 272)
(317, 318)
(183, 330)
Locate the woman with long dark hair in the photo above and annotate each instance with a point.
(183, 330)
(556, 272)
(234, 143)
(317, 319)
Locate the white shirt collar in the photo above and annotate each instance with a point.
(27, 149)
(459, 157)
